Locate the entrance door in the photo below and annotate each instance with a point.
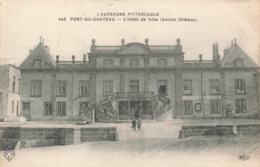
(27, 110)
(135, 109)
(124, 113)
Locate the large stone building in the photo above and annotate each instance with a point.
(138, 80)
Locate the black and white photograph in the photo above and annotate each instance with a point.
(128, 83)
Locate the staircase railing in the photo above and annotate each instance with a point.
(107, 111)
(164, 99)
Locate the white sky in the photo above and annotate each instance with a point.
(24, 21)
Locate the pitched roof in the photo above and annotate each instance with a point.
(41, 52)
(235, 53)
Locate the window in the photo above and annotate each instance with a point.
(62, 88)
(83, 88)
(17, 108)
(108, 88)
(36, 88)
(240, 106)
(162, 62)
(61, 108)
(134, 63)
(188, 107)
(48, 108)
(83, 106)
(13, 85)
(12, 106)
(134, 86)
(37, 64)
(215, 106)
(162, 87)
(187, 87)
(19, 85)
(240, 86)
(239, 62)
(214, 86)
(108, 63)
(26, 106)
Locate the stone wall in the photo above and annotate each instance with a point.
(39, 137)
(219, 130)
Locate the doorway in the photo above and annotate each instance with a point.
(27, 110)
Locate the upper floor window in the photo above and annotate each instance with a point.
(36, 88)
(108, 63)
(107, 88)
(62, 88)
(37, 64)
(134, 86)
(214, 86)
(162, 87)
(134, 63)
(13, 85)
(83, 88)
(215, 106)
(240, 105)
(240, 86)
(48, 108)
(188, 109)
(161, 62)
(187, 87)
(19, 86)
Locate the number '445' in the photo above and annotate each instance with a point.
(62, 18)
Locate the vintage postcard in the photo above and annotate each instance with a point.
(123, 83)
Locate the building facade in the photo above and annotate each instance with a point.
(138, 80)
(10, 99)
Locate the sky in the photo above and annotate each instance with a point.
(218, 21)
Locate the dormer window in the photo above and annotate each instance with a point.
(37, 64)
(239, 62)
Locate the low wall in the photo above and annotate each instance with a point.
(219, 130)
(248, 129)
(188, 131)
(39, 137)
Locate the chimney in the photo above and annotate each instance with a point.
(215, 52)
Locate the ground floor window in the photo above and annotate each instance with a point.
(215, 106)
(12, 106)
(26, 106)
(83, 106)
(48, 108)
(240, 106)
(188, 107)
(61, 108)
